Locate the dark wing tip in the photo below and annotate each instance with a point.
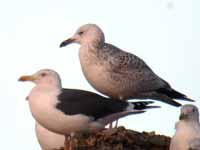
(144, 105)
(149, 107)
(189, 99)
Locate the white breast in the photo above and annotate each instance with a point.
(96, 73)
(42, 104)
(184, 134)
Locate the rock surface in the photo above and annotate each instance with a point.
(120, 139)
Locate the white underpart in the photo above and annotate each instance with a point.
(187, 130)
(113, 117)
(42, 101)
(195, 144)
(48, 140)
(94, 71)
(185, 133)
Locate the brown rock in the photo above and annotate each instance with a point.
(120, 139)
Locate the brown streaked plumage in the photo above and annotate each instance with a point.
(116, 73)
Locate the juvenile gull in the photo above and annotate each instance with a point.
(116, 73)
(67, 111)
(48, 140)
(187, 136)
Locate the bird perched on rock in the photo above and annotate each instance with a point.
(48, 140)
(67, 111)
(116, 73)
(187, 136)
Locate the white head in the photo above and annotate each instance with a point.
(189, 112)
(43, 77)
(88, 34)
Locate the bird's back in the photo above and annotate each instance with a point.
(73, 101)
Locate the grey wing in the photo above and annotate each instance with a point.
(132, 68)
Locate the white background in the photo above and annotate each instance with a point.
(165, 33)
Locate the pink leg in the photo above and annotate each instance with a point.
(116, 124)
(110, 125)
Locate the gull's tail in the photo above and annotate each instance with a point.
(174, 94)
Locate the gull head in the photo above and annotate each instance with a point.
(189, 112)
(43, 77)
(88, 34)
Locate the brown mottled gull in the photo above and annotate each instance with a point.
(116, 73)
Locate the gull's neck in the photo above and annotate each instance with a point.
(46, 86)
(190, 121)
(93, 42)
(91, 48)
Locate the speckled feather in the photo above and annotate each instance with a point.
(116, 73)
(130, 68)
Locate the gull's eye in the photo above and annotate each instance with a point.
(80, 32)
(193, 110)
(43, 74)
